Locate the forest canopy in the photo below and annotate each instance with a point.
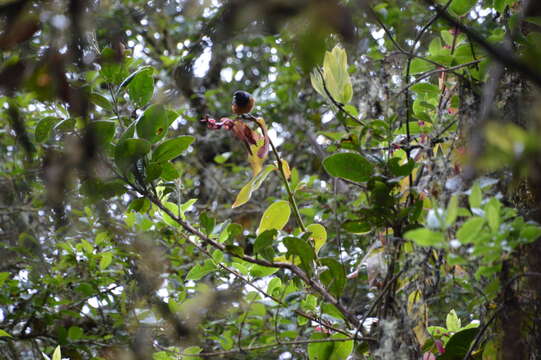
(302, 179)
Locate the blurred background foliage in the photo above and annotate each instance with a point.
(407, 148)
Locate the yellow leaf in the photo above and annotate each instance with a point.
(260, 149)
(246, 192)
(57, 355)
(336, 75)
(319, 235)
(275, 217)
(285, 167)
(255, 161)
(418, 311)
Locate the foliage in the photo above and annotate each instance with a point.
(386, 182)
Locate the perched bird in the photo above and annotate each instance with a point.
(243, 102)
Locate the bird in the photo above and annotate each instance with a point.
(243, 102)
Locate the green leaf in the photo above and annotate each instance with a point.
(331, 310)
(334, 277)
(274, 284)
(426, 88)
(153, 124)
(335, 350)
(426, 237)
(357, 226)
(65, 125)
(141, 87)
(230, 232)
(106, 259)
(319, 350)
(436, 331)
(418, 66)
(400, 170)
(103, 130)
(341, 349)
(434, 48)
(192, 350)
(452, 321)
(3, 277)
(492, 214)
(317, 83)
(101, 101)
(475, 196)
(75, 333)
(468, 232)
(349, 166)
(246, 192)
(4, 333)
(528, 233)
(112, 69)
(198, 271)
(44, 127)
(264, 244)
(275, 217)
(140, 205)
(172, 148)
(262, 271)
(299, 247)
(452, 211)
(168, 172)
(207, 223)
(462, 7)
(458, 345)
(319, 235)
(130, 150)
(236, 251)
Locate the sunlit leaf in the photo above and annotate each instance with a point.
(341, 349)
(475, 196)
(492, 213)
(246, 191)
(275, 217)
(452, 211)
(198, 271)
(469, 231)
(57, 355)
(319, 235)
(106, 259)
(426, 237)
(419, 66)
(452, 321)
(75, 333)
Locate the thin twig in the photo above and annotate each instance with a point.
(310, 282)
(493, 316)
(436, 71)
(280, 165)
(499, 54)
(267, 346)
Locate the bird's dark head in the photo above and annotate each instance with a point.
(241, 98)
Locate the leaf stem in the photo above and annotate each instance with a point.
(290, 195)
